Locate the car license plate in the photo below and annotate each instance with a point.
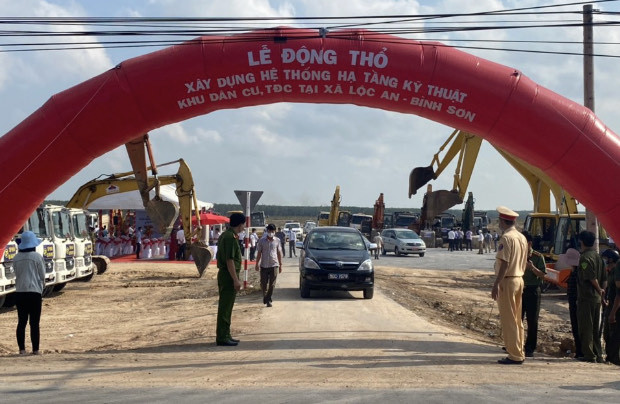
(337, 276)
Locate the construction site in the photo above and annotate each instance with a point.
(372, 303)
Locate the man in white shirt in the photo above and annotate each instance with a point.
(292, 238)
(253, 241)
(182, 244)
(451, 238)
(269, 260)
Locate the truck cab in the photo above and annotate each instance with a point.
(39, 225)
(7, 274)
(84, 266)
(358, 218)
(322, 219)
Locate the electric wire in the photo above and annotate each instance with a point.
(172, 28)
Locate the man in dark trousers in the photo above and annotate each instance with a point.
(138, 235)
(611, 317)
(269, 259)
(533, 276)
(591, 283)
(280, 234)
(228, 264)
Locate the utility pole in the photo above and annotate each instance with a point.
(588, 91)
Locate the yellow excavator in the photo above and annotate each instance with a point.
(336, 216)
(162, 213)
(467, 146)
(552, 233)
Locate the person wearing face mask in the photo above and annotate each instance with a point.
(269, 258)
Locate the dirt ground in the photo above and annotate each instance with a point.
(462, 300)
(148, 305)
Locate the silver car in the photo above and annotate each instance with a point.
(402, 242)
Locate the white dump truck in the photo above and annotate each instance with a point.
(7, 274)
(84, 267)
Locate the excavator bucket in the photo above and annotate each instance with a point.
(163, 214)
(202, 255)
(419, 177)
(439, 201)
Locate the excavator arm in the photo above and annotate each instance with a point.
(378, 214)
(126, 182)
(542, 186)
(335, 208)
(467, 146)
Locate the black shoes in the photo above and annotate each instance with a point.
(508, 361)
(268, 304)
(230, 342)
(529, 354)
(234, 340)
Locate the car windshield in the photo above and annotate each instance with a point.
(407, 234)
(334, 240)
(292, 226)
(405, 221)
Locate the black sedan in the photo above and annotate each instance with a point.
(335, 258)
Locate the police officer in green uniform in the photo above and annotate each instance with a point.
(591, 281)
(611, 317)
(533, 276)
(228, 264)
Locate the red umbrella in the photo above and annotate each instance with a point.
(210, 219)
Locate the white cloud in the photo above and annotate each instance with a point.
(297, 153)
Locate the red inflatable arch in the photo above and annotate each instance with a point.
(358, 67)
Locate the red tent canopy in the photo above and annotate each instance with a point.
(210, 219)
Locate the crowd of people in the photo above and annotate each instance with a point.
(593, 285)
(459, 240)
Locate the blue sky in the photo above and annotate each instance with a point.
(298, 153)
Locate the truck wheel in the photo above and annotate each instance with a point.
(421, 255)
(396, 251)
(59, 286)
(101, 263)
(304, 290)
(89, 277)
(47, 290)
(8, 300)
(369, 293)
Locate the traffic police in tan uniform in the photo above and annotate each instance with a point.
(510, 264)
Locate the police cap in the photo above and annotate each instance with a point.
(507, 214)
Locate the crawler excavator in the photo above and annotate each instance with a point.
(336, 217)
(541, 224)
(162, 213)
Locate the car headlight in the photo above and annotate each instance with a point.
(311, 264)
(366, 266)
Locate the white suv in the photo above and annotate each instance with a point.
(402, 242)
(309, 226)
(296, 227)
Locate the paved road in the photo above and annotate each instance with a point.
(435, 258)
